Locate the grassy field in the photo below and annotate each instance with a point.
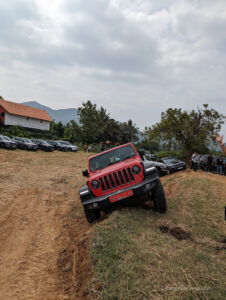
(140, 254)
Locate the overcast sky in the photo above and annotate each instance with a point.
(136, 58)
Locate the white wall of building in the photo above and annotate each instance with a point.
(26, 122)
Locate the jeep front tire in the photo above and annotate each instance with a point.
(159, 198)
(92, 215)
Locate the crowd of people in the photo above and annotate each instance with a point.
(210, 165)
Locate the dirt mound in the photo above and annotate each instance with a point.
(176, 231)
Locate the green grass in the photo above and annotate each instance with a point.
(134, 260)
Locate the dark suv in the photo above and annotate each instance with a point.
(26, 144)
(119, 176)
(6, 142)
(57, 145)
(173, 164)
(43, 145)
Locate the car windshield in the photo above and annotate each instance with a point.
(6, 138)
(170, 160)
(44, 142)
(65, 143)
(27, 141)
(111, 157)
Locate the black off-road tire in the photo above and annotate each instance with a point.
(92, 215)
(159, 198)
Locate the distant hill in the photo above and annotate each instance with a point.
(63, 115)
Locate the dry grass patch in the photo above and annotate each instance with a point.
(140, 254)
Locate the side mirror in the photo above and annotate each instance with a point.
(85, 173)
(141, 153)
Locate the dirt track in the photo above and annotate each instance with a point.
(44, 236)
(42, 226)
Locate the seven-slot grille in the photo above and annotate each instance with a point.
(116, 179)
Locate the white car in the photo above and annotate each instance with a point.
(69, 146)
(161, 168)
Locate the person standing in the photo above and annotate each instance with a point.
(209, 162)
(195, 160)
(192, 160)
(85, 147)
(219, 165)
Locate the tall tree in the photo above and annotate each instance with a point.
(57, 129)
(112, 131)
(129, 132)
(92, 122)
(72, 132)
(193, 130)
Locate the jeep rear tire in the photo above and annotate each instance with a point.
(159, 198)
(92, 215)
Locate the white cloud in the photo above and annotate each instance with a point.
(136, 58)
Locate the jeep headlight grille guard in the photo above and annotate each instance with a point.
(116, 179)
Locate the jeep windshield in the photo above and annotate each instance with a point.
(112, 157)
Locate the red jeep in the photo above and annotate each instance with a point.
(117, 177)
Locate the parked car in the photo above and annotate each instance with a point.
(26, 144)
(57, 145)
(69, 146)
(119, 177)
(150, 156)
(6, 142)
(43, 145)
(173, 164)
(161, 168)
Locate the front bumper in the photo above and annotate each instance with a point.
(47, 148)
(103, 203)
(10, 146)
(177, 168)
(164, 172)
(32, 147)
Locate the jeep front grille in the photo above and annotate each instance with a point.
(116, 179)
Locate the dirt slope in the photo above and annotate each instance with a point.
(41, 225)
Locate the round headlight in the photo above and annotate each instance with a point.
(136, 169)
(95, 184)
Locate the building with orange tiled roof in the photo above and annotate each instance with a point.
(12, 113)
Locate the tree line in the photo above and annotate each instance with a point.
(96, 126)
(178, 129)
